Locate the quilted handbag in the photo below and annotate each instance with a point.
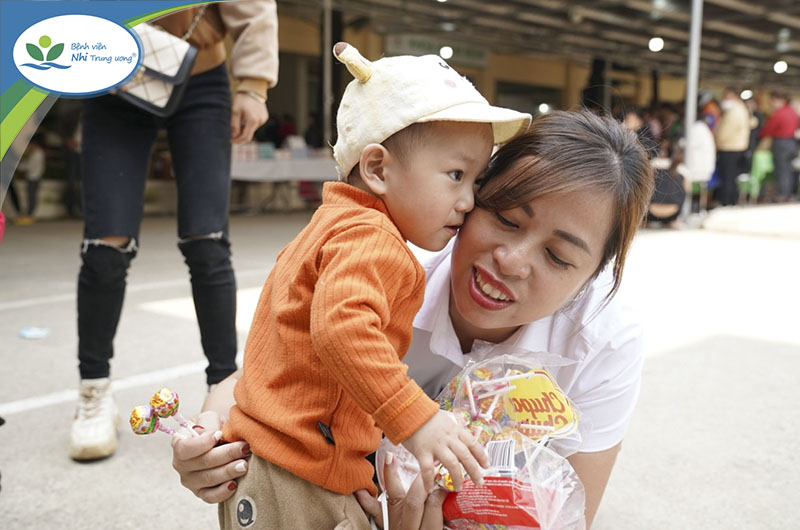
(162, 78)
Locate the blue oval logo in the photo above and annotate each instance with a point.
(77, 55)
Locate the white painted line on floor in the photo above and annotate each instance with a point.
(133, 288)
(41, 300)
(183, 307)
(147, 379)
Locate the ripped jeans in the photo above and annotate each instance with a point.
(117, 141)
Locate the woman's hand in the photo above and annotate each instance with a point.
(209, 470)
(247, 115)
(415, 510)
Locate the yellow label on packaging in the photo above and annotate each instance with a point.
(537, 400)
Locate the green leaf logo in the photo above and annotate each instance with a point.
(45, 42)
(55, 52)
(34, 52)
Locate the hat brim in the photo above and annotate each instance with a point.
(506, 123)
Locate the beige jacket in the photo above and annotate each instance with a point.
(253, 26)
(733, 131)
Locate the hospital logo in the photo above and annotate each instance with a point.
(77, 55)
(37, 53)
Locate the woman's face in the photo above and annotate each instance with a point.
(517, 266)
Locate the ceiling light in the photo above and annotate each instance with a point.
(656, 44)
(544, 108)
(441, 1)
(447, 26)
(780, 67)
(445, 52)
(746, 94)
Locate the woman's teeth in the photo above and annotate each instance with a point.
(488, 290)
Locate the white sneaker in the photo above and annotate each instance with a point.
(94, 430)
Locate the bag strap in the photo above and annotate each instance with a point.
(197, 17)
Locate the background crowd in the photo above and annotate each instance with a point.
(739, 151)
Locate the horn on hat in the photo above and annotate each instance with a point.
(353, 60)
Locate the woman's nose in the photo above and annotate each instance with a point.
(513, 261)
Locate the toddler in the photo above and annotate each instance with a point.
(323, 375)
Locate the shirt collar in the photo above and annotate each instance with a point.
(341, 193)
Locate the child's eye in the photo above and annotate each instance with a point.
(456, 175)
(557, 261)
(504, 221)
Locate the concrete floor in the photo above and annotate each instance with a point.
(711, 445)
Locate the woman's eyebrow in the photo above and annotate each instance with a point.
(575, 240)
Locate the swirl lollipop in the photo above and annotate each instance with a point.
(143, 421)
(165, 404)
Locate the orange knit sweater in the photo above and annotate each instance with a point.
(332, 323)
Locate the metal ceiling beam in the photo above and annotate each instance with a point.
(784, 19)
(546, 20)
(552, 5)
(780, 18)
(739, 31)
(501, 9)
(742, 7)
(648, 7)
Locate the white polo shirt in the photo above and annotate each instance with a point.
(603, 353)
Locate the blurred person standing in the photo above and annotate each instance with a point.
(695, 158)
(710, 109)
(733, 138)
(757, 120)
(781, 127)
(72, 167)
(634, 120)
(32, 165)
(668, 194)
(287, 128)
(116, 145)
(653, 123)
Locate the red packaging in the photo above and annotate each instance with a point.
(502, 500)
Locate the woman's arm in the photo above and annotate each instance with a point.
(594, 469)
(220, 399)
(209, 470)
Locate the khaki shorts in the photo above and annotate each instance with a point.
(271, 498)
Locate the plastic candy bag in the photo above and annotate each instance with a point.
(514, 407)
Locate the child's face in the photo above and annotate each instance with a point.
(430, 192)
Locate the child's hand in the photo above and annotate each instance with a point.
(442, 439)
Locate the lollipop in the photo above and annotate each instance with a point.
(143, 421)
(165, 404)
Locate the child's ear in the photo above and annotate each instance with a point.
(372, 164)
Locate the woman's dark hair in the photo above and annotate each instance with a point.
(564, 152)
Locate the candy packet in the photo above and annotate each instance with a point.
(514, 407)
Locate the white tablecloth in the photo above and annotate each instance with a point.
(317, 169)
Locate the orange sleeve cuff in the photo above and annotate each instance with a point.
(405, 412)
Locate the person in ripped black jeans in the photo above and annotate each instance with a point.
(117, 140)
